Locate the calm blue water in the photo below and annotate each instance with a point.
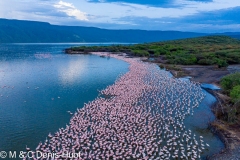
(39, 84)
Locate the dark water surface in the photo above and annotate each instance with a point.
(39, 84)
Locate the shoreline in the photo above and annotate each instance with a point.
(198, 73)
(228, 133)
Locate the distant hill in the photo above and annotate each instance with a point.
(231, 34)
(17, 31)
(237, 36)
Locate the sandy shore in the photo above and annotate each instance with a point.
(230, 135)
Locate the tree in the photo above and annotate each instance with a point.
(235, 93)
(230, 81)
(221, 63)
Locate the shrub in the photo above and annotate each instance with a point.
(140, 53)
(235, 93)
(151, 51)
(221, 54)
(161, 66)
(162, 51)
(205, 62)
(230, 81)
(156, 54)
(221, 63)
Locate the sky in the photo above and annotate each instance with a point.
(206, 16)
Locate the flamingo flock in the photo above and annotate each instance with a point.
(141, 116)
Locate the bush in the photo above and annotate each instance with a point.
(221, 54)
(162, 51)
(161, 66)
(221, 63)
(233, 58)
(235, 93)
(205, 62)
(140, 53)
(230, 81)
(156, 54)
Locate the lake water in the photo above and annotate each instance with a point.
(210, 86)
(198, 123)
(39, 84)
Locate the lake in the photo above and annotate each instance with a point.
(39, 84)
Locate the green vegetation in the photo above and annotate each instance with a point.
(235, 93)
(230, 81)
(231, 86)
(207, 50)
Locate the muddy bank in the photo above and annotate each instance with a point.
(229, 133)
(205, 74)
(202, 74)
(199, 73)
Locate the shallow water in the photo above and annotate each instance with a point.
(210, 86)
(198, 123)
(39, 84)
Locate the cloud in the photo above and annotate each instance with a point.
(203, 6)
(70, 10)
(158, 3)
(131, 14)
(29, 10)
(40, 10)
(110, 11)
